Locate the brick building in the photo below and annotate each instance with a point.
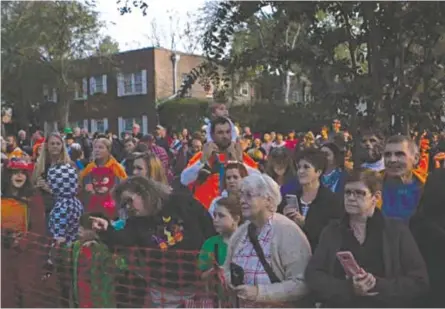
(124, 89)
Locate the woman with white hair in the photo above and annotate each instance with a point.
(267, 255)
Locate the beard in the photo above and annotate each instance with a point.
(371, 155)
(223, 144)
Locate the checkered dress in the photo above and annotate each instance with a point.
(65, 215)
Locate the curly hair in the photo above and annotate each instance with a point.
(153, 193)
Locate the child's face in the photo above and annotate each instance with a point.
(18, 179)
(223, 221)
(221, 111)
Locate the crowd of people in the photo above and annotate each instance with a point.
(278, 220)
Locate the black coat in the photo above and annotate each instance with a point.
(430, 237)
(326, 206)
(163, 268)
(405, 280)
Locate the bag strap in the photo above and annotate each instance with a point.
(251, 232)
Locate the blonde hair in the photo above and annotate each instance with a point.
(42, 160)
(154, 166)
(104, 141)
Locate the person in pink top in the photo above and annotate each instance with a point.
(291, 141)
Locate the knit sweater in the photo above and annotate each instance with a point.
(290, 251)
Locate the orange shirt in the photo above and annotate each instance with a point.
(15, 215)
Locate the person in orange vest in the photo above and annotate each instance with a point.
(205, 171)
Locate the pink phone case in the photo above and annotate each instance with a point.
(349, 263)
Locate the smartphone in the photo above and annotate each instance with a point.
(291, 204)
(292, 200)
(350, 265)
(236, 274)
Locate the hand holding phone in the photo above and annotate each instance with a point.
(350, 265)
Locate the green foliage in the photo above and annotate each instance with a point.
(107, 46)
(41, 41)
(190, 113)
(183, 113)
(383, 52)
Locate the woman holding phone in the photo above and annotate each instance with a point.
(313, 206)
(267, 255)
(366, 260)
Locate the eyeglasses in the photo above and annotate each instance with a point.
(355, 193)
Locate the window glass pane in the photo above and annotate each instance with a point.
(100, 126)
(128, 123)
(138, 82)
(127, 83)
(99, 84)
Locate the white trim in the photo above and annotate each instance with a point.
(85, 88)
(104, 83)
(93, 126)
(120, 125)
(92, 85)
(85, 124)
(144, 81)
(144, 124)
(105, 124)
(120, 85)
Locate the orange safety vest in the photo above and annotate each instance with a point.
(207, 191)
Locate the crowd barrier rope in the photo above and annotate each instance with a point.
(36, 275)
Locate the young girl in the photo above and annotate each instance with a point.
(227, 217)
(16, 219)
(22, 209)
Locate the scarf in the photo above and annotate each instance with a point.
(377, 166)
(331, 180)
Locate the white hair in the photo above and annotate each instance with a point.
(263, 185)
(76, 146)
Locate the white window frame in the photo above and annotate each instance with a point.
(77, 89)
(94, 82)
(49, 96)
(121, 92)
(121, 123)
(94, 125)
(81, 124)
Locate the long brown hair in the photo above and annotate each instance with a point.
(281, 156)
